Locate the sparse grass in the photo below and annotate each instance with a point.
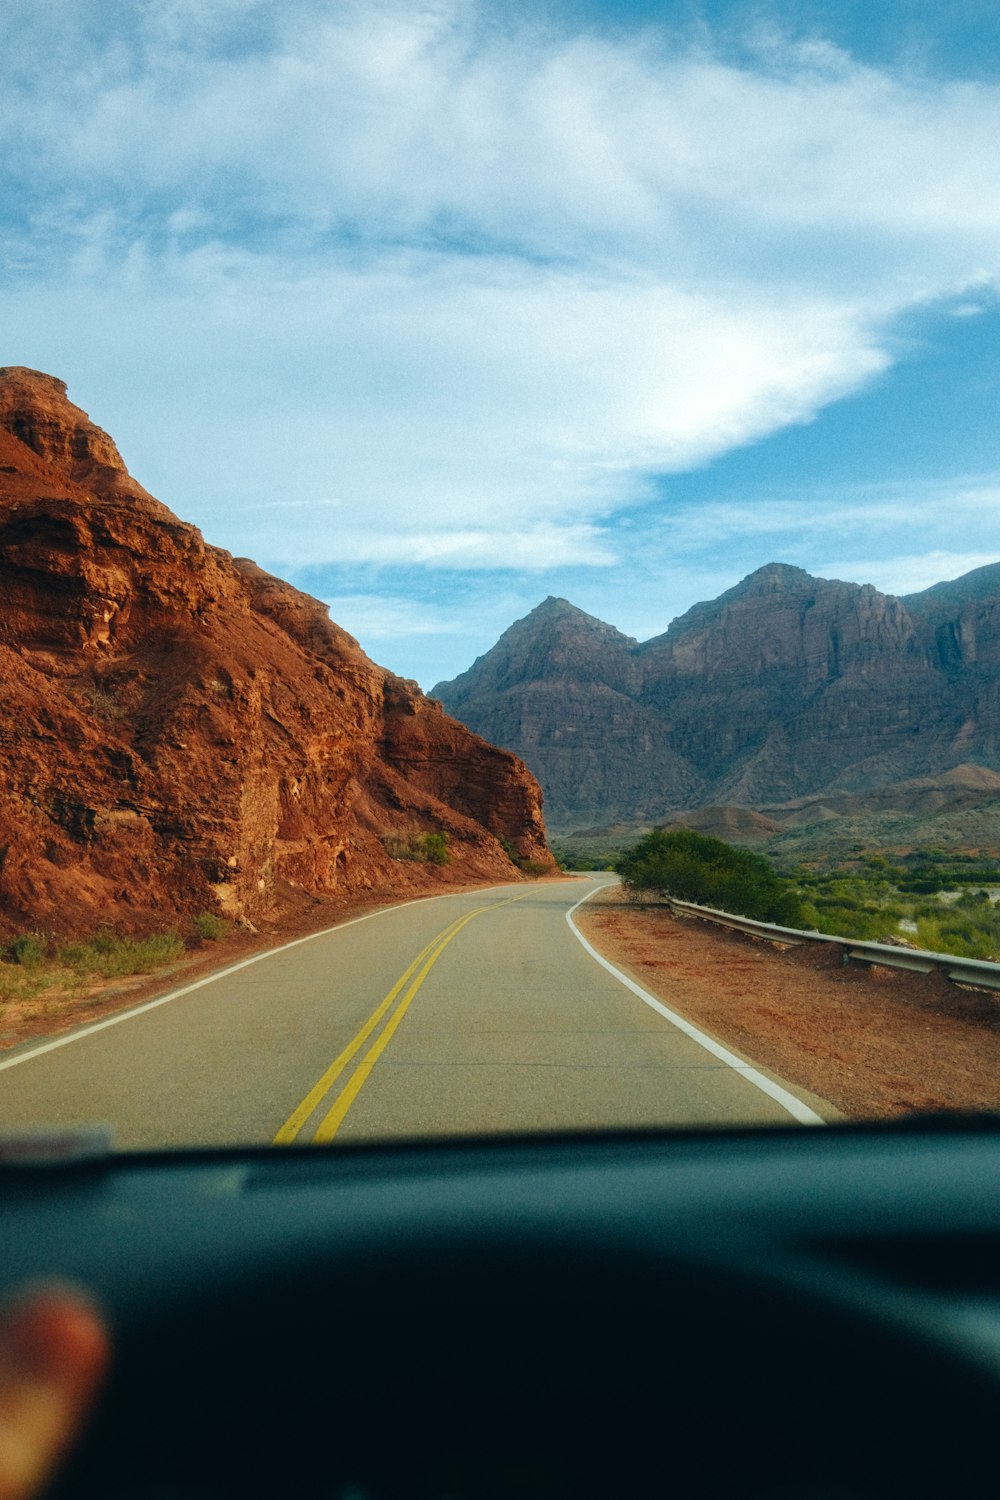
(36, 969)
(30, 950)
(208, 926)
(414, 844)
(20, 984)
(972, 937)
(107, 956)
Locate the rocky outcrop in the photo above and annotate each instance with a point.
(786, 686)
(180, 730)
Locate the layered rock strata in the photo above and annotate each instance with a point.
(182, 731)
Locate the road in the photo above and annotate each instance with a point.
(480, 1011)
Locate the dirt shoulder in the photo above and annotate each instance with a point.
(874, 1042)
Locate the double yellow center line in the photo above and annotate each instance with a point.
(410, 980)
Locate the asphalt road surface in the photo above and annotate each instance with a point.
(476, 1012)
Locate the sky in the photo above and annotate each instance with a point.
(436, 309)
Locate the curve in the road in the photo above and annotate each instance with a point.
(795, 1107)
(496, 1021)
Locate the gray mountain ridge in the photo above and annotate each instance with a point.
(785, 686)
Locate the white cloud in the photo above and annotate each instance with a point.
(431, 641)
(429, 395)
(479, 281)
(822, 516)
(531, 548)
(388, 617)
(415, 122)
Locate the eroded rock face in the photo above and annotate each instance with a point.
(181, 729)
(785, 686)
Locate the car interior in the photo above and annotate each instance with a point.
(708, 1313)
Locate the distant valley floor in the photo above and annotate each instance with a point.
(875, 1043)
(957, 811)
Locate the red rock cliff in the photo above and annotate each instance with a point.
(180, 728)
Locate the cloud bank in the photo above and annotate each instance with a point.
(478, 283)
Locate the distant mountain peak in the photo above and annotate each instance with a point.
(556, 609)
(784, 686)
(981, 583)
(773, 580)
(774, 575)
(554, 639)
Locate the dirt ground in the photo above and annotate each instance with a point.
(873, 1042)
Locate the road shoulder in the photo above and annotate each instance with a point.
(875, 1043)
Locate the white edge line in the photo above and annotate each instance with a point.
(255, 958)
(795, 1107)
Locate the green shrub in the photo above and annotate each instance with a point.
(425, 848)
(30, 950)
(964, 940)
(973, 898)
(871, 926)
(436, 845)
(840, 903)
(208, 926)
(691, 867)
(81, 958)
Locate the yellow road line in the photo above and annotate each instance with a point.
(316, 1094)
(331, 1122)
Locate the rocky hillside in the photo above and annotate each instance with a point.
(785, 687)
(183, 732)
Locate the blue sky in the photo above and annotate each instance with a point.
(439, 308)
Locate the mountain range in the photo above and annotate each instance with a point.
(785, 690)
(182, 732)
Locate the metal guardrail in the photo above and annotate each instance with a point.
(972, 971)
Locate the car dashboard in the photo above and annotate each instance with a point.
(790, 1313)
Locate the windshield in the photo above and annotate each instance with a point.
(500, 568)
